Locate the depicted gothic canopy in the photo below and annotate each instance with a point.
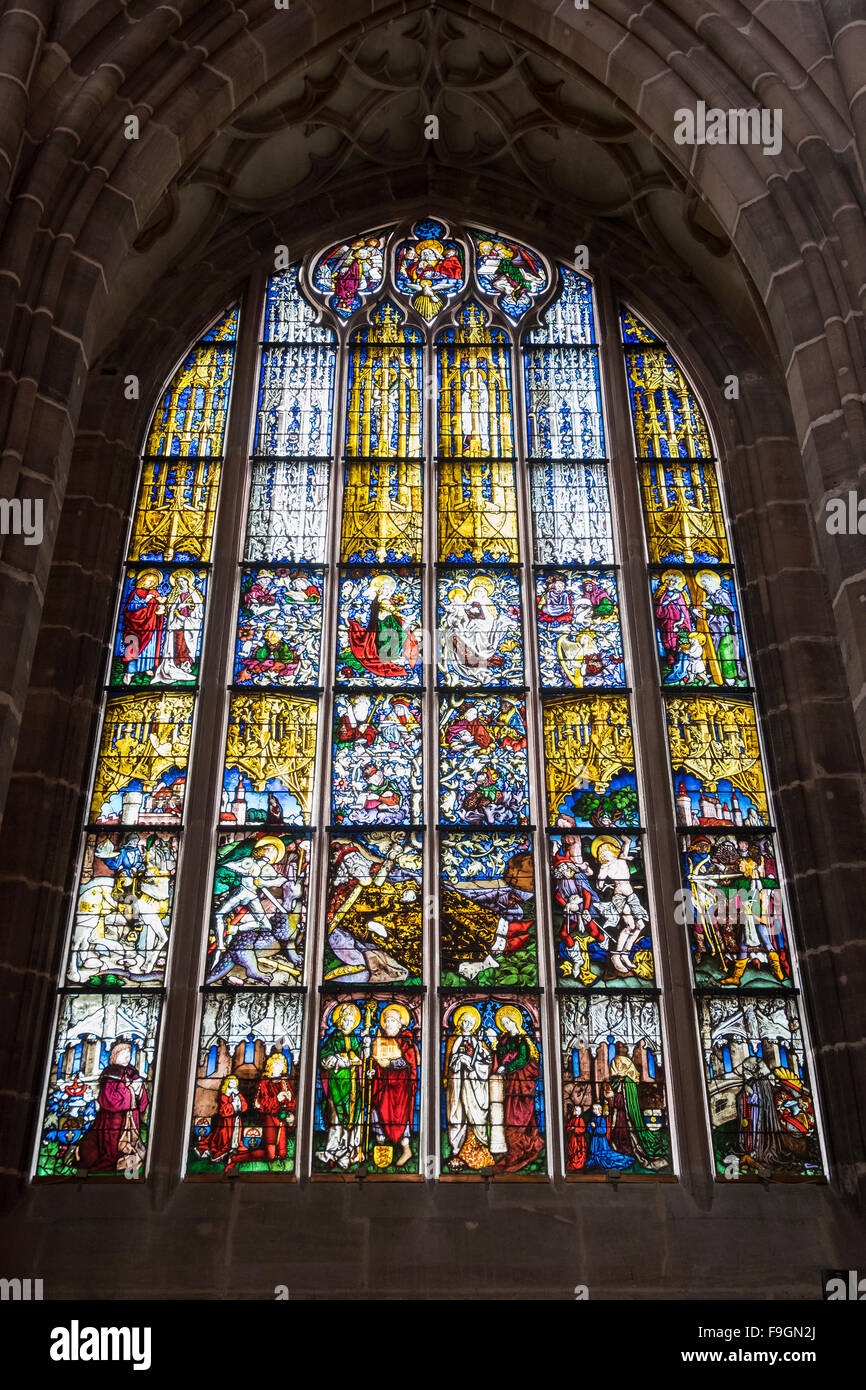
(429, 863)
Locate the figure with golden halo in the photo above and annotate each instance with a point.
(624, 910)
(142, 622)
(473, 628)
(341, 1072)
(519, 1065)
(248, 880)
(467, 1067)
(184, 613)
(394, 1062)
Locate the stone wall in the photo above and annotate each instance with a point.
(78, 197)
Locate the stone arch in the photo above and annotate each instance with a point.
(80, 196)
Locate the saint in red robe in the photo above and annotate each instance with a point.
(393, 1089)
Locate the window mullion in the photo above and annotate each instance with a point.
(537, 786)
(315, 945)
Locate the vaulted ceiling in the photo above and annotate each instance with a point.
(537, 143)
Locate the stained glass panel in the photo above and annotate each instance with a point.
(761, 1109)
(589, 762)
(600, 914)
(493, 1111)
(634, 330)
(733, 908)
(270, 758)
(379, 628)
(483, 775)
(123, 909)
(382, 513)
(368, 1091)
(698, 627)
(259, 918)
(668, 421)
(174, 516)
(384, 415)
(563, 403)
(158, 637)
(279, 626)
(477, 512)
(191, 417)
(716, 758)
(225, 329)
(376, 765)
(683, 512)
(288, 316)
(143, 752)
(100, 1086)
(487, 911)
(348, 274)
(571, 514)
(579, 633)
(474, 379)
(479, 628)
(373, 920)
(613, 1085)
(512, 274)
(296, 399)
(246, 1085)
(570, 318)
(288, 512)
(429, 268)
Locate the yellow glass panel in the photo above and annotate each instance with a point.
(174, 516)
(385, 394)
(589, 761)
(191, 416)
(668, 422)
(270, 760)
(716, 759)
(143, 753)
(634, 330)
(474, 389)
(683, 511)
(382, 512)
(477, 511)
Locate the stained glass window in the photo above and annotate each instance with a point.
(368, 745)
(761, 1108)
(251, 1031)
(100, 1084)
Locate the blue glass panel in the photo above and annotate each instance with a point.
(483, 777)
(579, 633)
(480, 641)
(378, 635)
(296, 398)
(569, 319)
(288, 514)
(376, 766)
(571, 514)
(288, 316)
(563, 403)
(279, 627)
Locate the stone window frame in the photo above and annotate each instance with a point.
(687, 1108)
